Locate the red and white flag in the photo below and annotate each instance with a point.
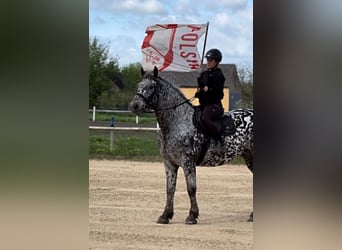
(172, 47)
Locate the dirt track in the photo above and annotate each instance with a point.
(126, 198)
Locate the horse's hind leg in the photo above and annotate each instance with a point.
(250, 218)
(190, 176)
(171, 181)
(248, 157)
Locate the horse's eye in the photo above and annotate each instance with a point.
(150, 87)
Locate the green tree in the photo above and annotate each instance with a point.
(131, 75)
(104, 73)
(246, 80)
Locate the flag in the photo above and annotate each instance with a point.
(172, 47)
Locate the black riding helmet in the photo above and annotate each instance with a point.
(214, 54)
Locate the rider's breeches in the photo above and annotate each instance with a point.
(211, 113)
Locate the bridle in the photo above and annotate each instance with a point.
(148, 100)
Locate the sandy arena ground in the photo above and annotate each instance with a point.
(126, 198)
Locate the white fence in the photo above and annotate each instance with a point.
(111, 129)
(94, 110)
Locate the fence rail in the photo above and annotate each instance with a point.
(109, 111)
(124, 128)
(94, 111)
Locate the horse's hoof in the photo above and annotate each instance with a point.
(190, 221)
(163, 220)
(250, 219)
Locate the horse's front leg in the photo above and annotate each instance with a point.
(190, 177)
(171, 181)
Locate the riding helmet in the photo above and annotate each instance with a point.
(214, 54)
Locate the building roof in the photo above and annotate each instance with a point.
(189, 79)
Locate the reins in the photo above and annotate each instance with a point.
(177, 105)
(161, 109)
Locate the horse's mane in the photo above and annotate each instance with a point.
(150, 74)
(174, 86)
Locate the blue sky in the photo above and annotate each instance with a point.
(122, 25)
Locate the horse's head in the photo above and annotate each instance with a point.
(146, 96)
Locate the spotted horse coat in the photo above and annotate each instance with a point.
(181, 144)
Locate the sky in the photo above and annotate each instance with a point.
(121, 24)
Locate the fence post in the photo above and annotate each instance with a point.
(94, 110)
(111, 140)
(136, 120)
(112, 121)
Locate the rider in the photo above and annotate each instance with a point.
(210, 93)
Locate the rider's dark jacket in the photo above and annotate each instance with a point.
(214, 79)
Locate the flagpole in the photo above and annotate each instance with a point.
(205, 42)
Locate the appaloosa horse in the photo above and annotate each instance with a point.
(181, 144)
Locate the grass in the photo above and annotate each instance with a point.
(130, 146)
(124, 148)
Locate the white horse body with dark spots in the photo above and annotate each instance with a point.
(181, 144)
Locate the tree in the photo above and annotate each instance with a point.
(104, 72)
(132, 76)
(246, 80)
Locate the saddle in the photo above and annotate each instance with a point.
(228, 127)
(226, 121)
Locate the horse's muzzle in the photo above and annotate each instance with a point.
(137, 106)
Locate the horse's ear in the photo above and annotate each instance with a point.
(142, 71)
(155, 71)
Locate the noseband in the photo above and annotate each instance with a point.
(155, 92)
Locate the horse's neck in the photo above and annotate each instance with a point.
(174, 116)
